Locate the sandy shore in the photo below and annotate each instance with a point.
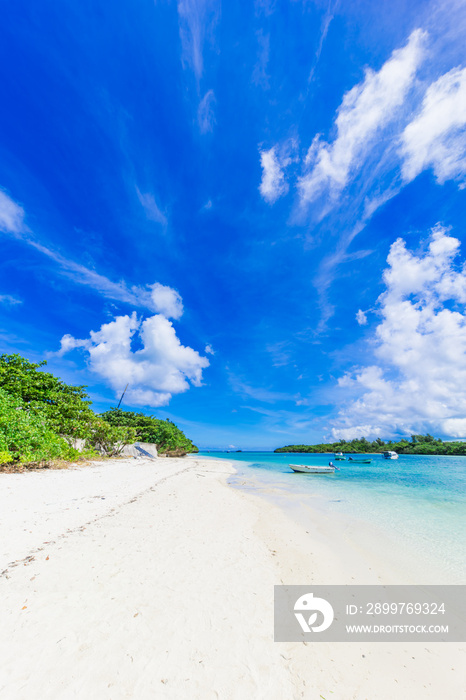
(139, 579)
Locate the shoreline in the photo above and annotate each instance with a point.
(410, 525)
(164, 589)
(364, 540)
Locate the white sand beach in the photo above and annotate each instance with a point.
(154, 579)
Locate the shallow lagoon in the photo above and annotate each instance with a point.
(418, 501)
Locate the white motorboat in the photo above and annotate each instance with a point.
(390, 455)
(304, 469)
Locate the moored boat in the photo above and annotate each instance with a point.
(339, 456)
(390, 455)
(305, 469)
(360, 461)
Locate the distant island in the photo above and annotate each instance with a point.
(417, 445)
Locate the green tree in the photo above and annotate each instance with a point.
(26, 435)
(67, 407)
(165, 434)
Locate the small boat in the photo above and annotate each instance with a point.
(304, 469)
(390, 455)
(360, 461)
(339, 456)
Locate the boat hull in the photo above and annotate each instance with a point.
(304, 469)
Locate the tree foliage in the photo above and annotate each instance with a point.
(165, 434)
(417, 445)
(66, 407)
(26, 435)
(61, 411)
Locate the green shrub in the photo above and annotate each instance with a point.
(41, 416)
(66, 407)
(26, 434)
(165, 434)
(110, 439)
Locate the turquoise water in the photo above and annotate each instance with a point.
(418, 501)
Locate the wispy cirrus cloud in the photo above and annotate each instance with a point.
(9, 300)
(365, 110)
(11, 215)
(155, 297)
(151, 207)
(259, 393)
(417, 382)
(197, 18)
(206, 112)
(328, 17)
(260, 77)
(390, 127)
(197, 21)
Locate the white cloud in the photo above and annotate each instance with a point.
(365, 110)
(206, 112)
(273, 184)
(361, 318)
(207, 206)
(155, 297)
(209, 350)
(419, 380)
(328, 17)
(259, 393)
(142, 297)
(436, 138)
(167, 301)
(196, 20)
(9, 300)
(161, 368)
(11, 215)
(151, 208)
(259, 75)
(274, 161)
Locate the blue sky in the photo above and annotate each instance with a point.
(253, 213)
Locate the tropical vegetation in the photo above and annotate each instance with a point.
(42, 418)
(167, 436)
(416, 445)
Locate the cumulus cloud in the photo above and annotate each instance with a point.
(274, 162)
(166, 301)
(361, 318)
(418, 381)
(436, 138)
(273, 184)
(206, 112)
(161, 368)
(11, 215)
(365, 110)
